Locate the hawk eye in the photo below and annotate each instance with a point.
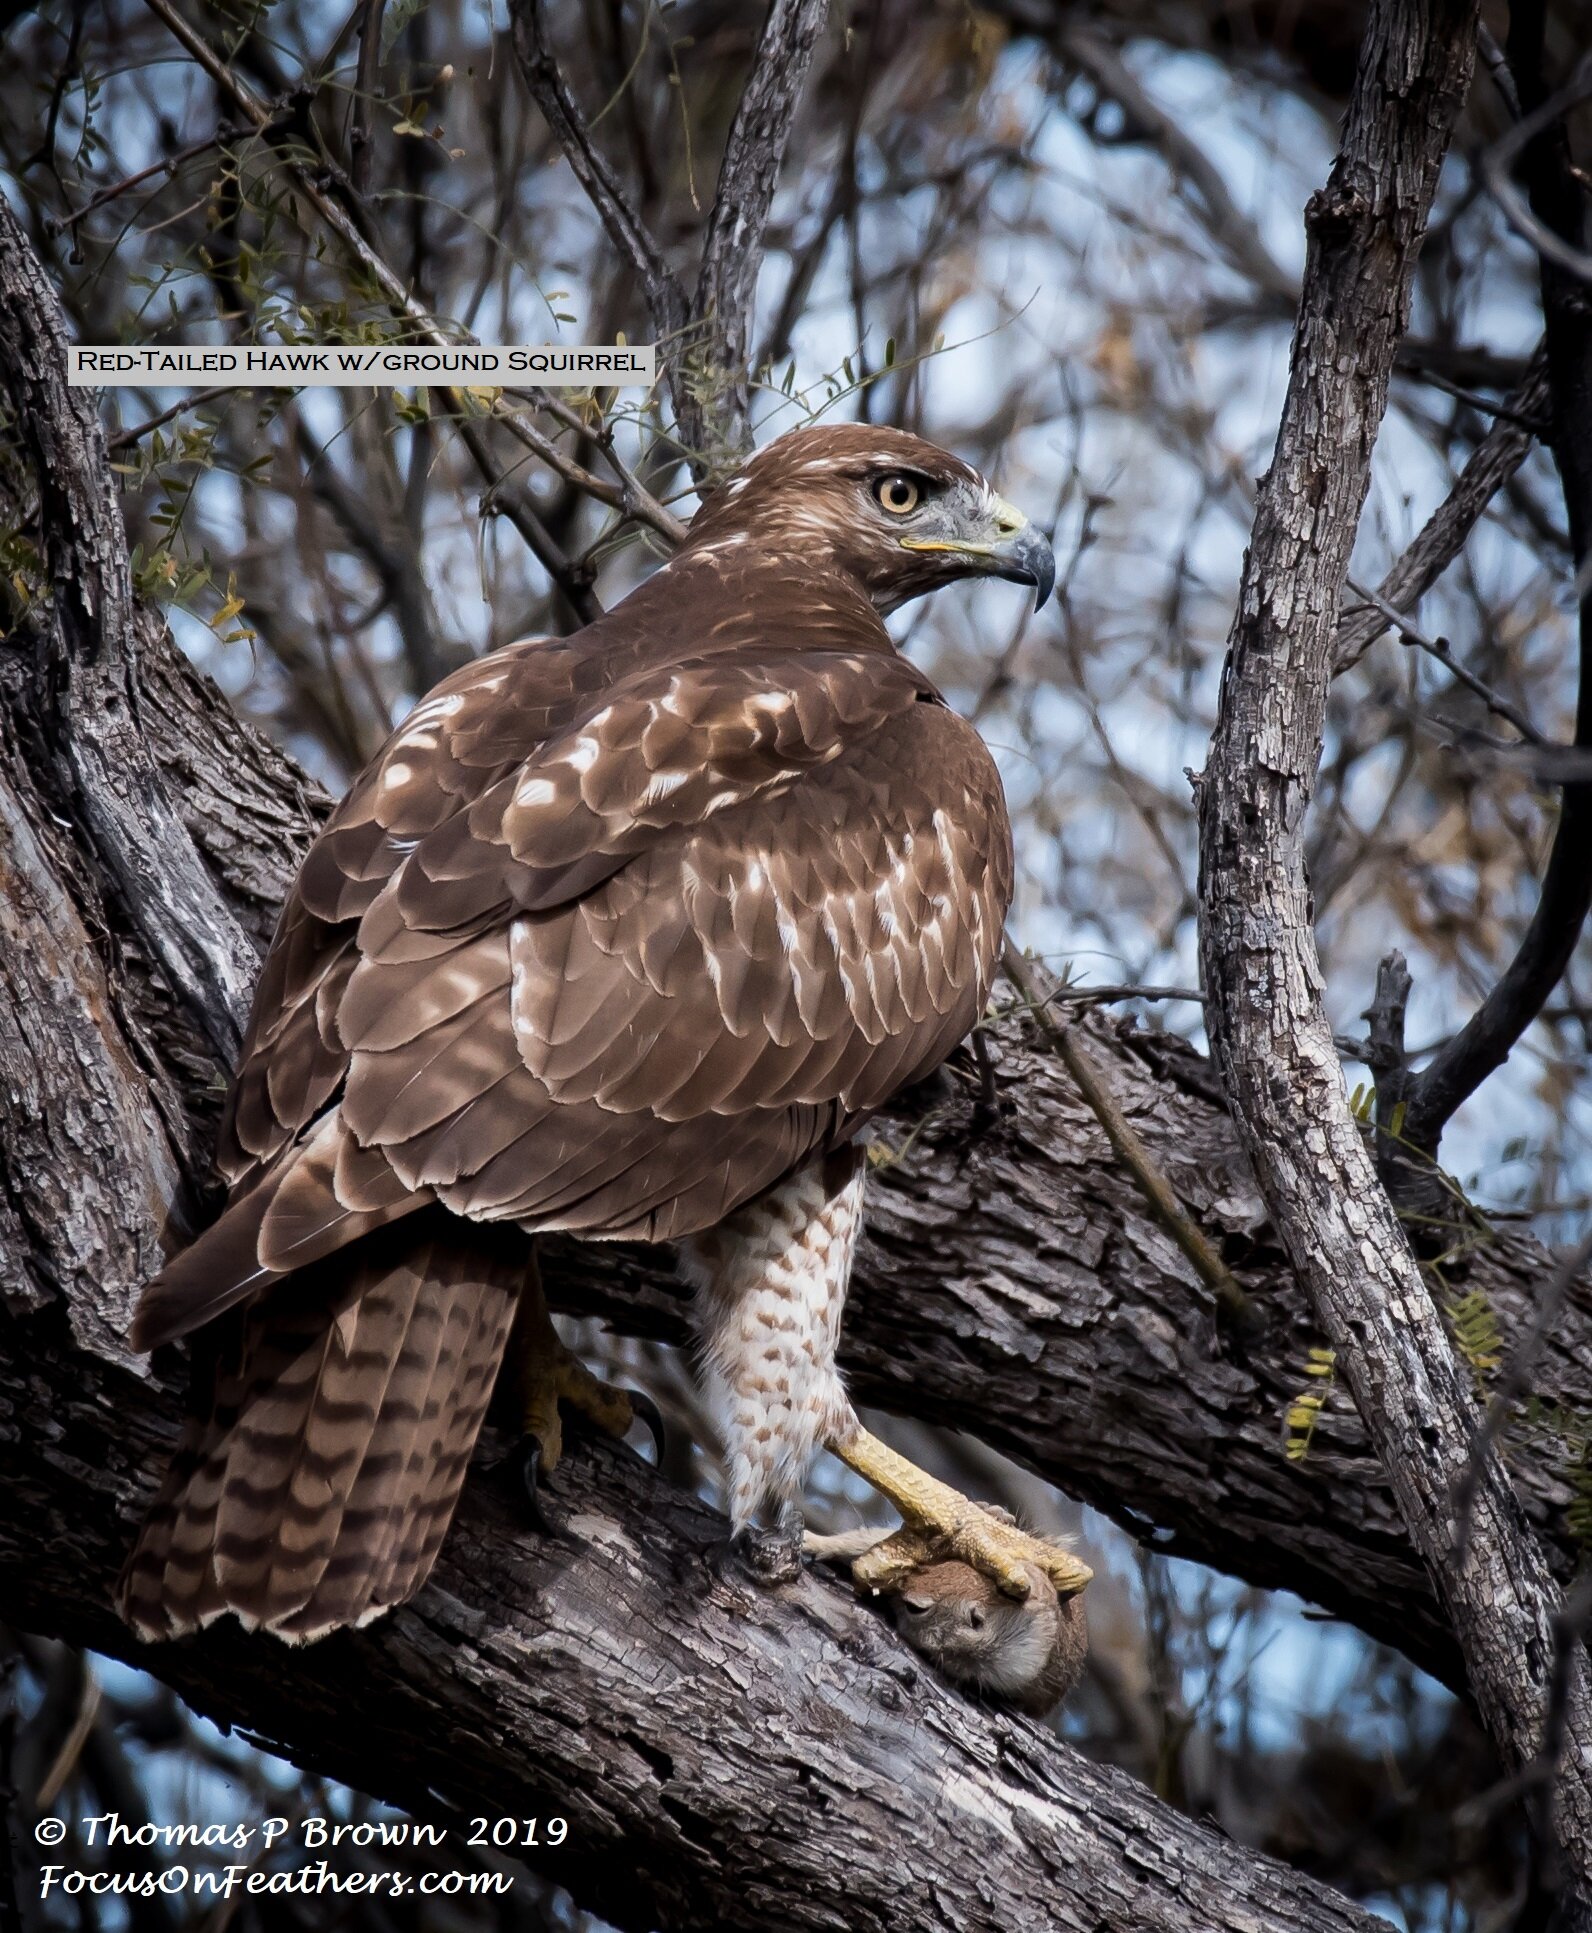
(898, 494)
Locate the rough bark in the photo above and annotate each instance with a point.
(1012, 1282)
(725, 1756)
(85, 672)
(1269, 1028)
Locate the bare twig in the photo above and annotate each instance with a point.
(366, 77)
(125, 439)
(1443, 652)
(1129, 1149)
(168, 166)
(1499, 161)
(1492, 463)
(1083, 47)
(1106, 994)
(666, 300)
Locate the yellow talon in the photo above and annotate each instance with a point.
(549, 1376)
(939, 1522)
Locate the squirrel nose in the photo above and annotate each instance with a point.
(975, 1617)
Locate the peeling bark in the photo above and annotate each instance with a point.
(726, 1756)
(1012, 1283)
(1269, 1027)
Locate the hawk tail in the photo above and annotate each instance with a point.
(317, 1488)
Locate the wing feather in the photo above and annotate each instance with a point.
(610, 935)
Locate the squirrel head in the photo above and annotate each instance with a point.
(1028, 1655)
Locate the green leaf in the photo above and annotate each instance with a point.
(398, 16)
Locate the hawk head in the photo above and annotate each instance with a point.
(895, 513)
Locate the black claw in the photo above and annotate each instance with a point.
(527, 1458)
(987, 1106)
(772, 1556)
(647, 1410)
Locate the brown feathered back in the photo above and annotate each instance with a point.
(614, 933)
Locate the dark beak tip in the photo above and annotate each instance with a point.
(1036, 562)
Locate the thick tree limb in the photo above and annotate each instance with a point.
(1269, 1027)
(89, 710)
(726, 1757)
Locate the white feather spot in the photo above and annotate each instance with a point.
(661, 786)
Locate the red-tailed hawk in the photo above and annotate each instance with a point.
(626, 934)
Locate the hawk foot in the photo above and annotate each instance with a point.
(772, 1556)
(551, 1378)
(940, 1523)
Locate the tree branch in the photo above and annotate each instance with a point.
(706, 342)
(732, 254)
(1522, 990)
(544, 79)
(1491, 464)
(1268, 1023)
(626, 495)
(725, 1757)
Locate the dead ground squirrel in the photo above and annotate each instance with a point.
(1027, 1655)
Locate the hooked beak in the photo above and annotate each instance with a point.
(1025, 557)
(1016, 551)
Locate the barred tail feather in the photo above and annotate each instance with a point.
(317, 1489)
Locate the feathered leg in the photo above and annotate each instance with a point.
(771, 1286)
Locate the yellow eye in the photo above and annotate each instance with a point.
(897, 494)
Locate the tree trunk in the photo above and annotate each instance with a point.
(1269, 1027)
